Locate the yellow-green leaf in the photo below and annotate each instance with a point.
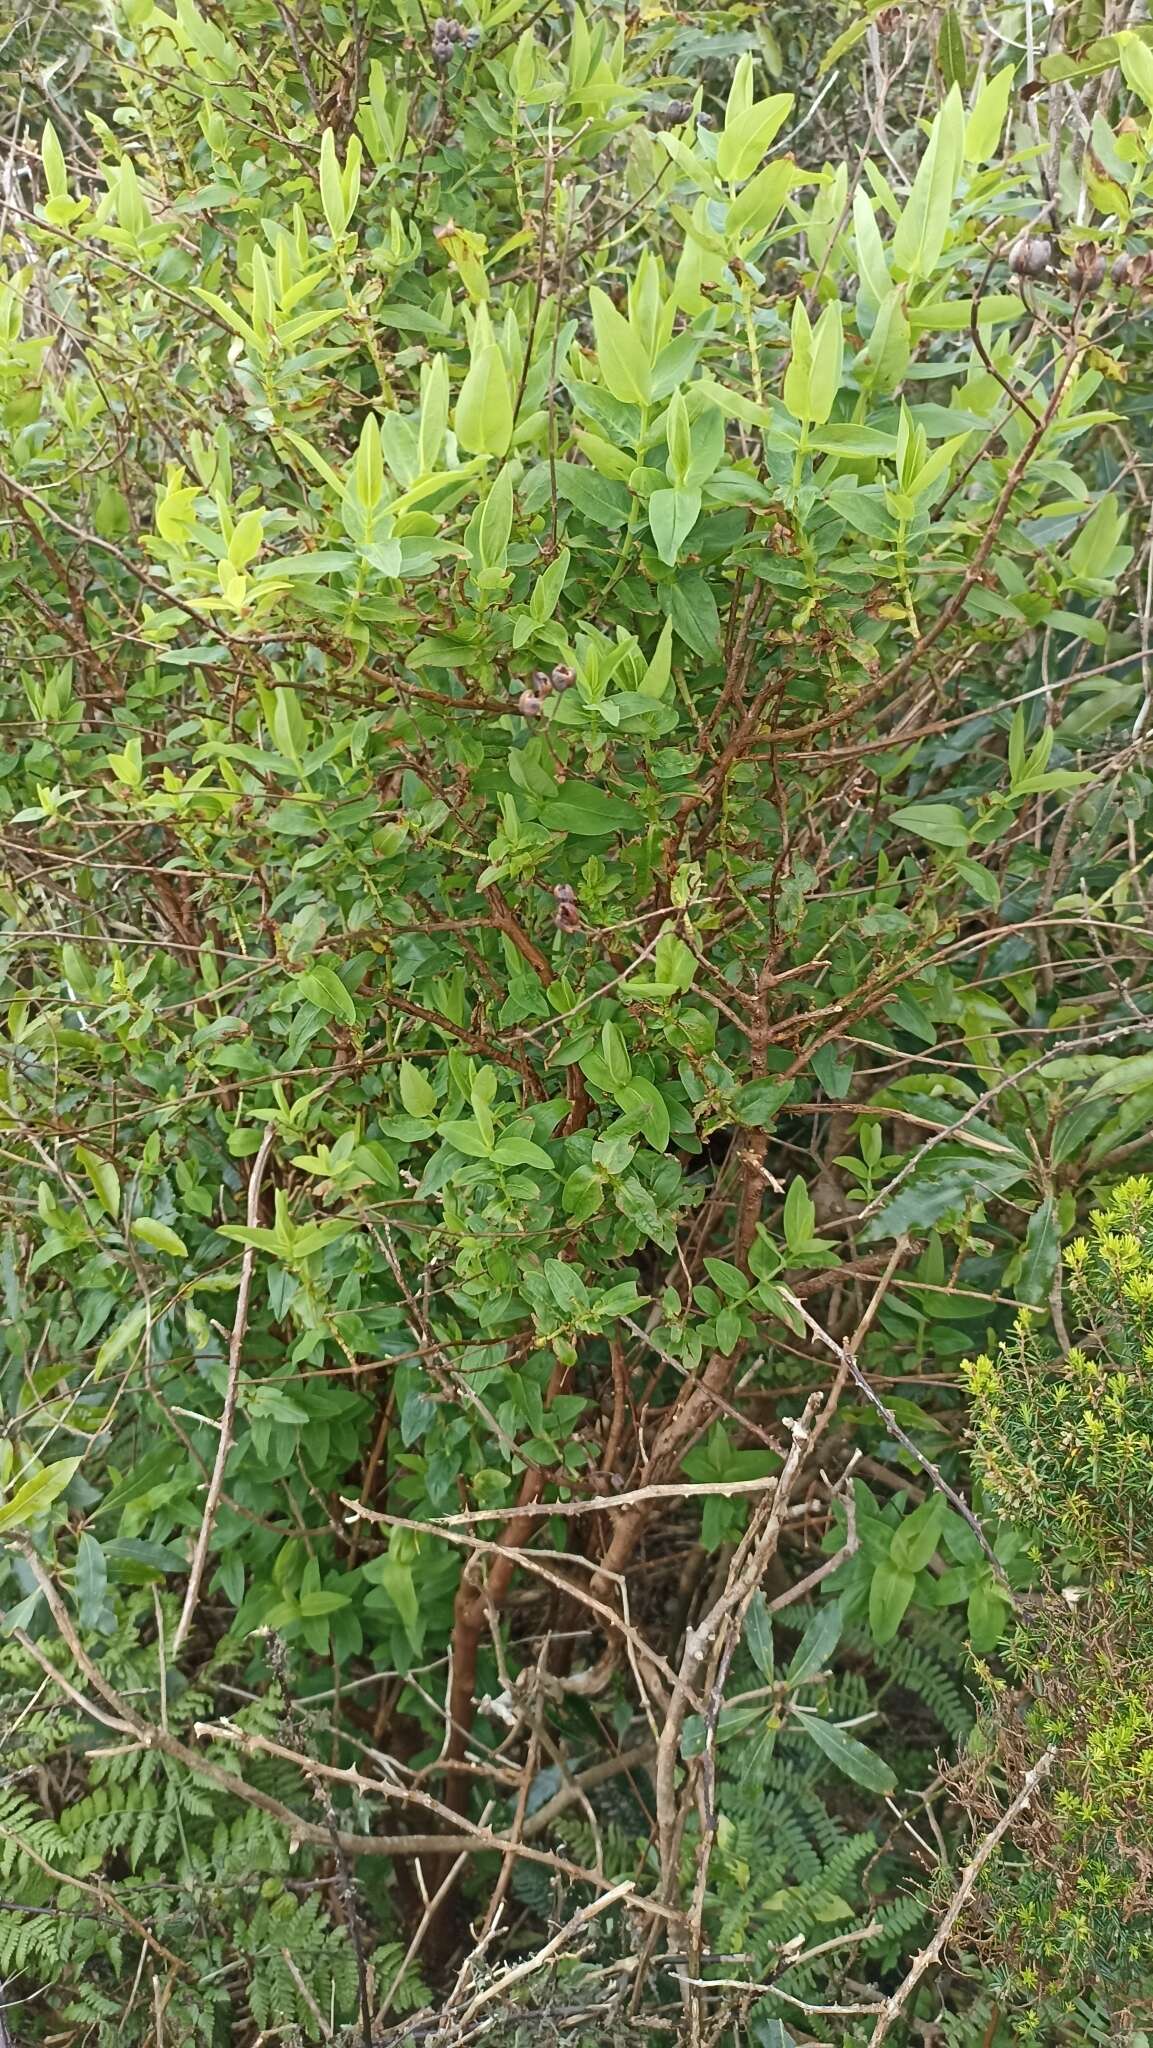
(30, 1500)
(159, 1236)
(745, 140)
(484, 405)
(924, 223)
(624, 364)
(987, 116)
(104, 1178)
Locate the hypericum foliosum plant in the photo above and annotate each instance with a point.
(574, 906)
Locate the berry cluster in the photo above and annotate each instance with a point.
(1032, 256)
(674, 115)
(530, 703)
(446, 35)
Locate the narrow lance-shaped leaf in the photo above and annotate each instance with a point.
(924, 224)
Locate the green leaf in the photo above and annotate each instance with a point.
(597, 497)
(759, 1635)
(495, 523)
(940, 824)
(750, 134)
(514, 1151)
(672, 516)
(813, 377)
(320, 1602)
(586, 809)
(952, 61)
(55, 168)
(857, 1762)
(987, 1615)
(798, 1216)
(1137, 65)
(846, 41)
(827, 363)
(822, 1634)
(623, 359)
(1039, 1259)
(323, 987)
(947, 1184)
(692, 608)
(641, 1099)
(987, 116)
(416, 1091)
(466, 1136)
(152, 1232)
(728, 1328)
(104, 1178)
(35, 1496)
(915, 1541)
(90, 1582)
(756, 1104)
(122, 1337)
(658, 674)
(483, 417)
(872, 263)
(399, 1582)
(890, 1592)
(924, 224)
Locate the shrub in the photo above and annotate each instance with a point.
(1064, 1447)
(568, 634)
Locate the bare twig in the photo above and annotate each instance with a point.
(555, 1947)
(850, 1367)
(228, 1417)
(931, 1953)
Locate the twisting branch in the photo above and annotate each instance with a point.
(228, 1418)
(850, 1369)
(931, 1953)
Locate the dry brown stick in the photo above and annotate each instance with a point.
(228, 1417)
(70, 1691)
(421, 1930)
(467, 1838)
(606, 1503)
(474, 1602)
(534, 1561)
(740, 1589)
(849, 1368)
(555, 1947)
(931, 1953)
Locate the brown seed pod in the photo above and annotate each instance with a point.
(1086, 268)
(562, 677)
(529, 704)
(567, 917)
(541, 683)
(1132, 271)
(1030, 255)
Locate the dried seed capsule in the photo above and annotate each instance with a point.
(1087, 268)
(1132, 271)
(529, 704)
(1030, 255)
(567, 916)
(541, 683)
(562, 677)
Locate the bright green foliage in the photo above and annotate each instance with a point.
(575, 795)
(1064, 1444)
